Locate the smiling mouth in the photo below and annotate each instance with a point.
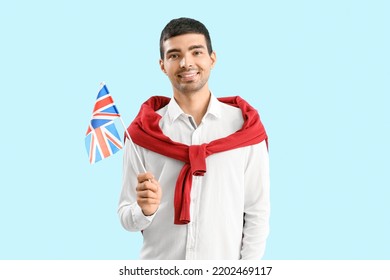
(188, 76)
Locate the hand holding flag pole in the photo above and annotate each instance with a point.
(102, 139)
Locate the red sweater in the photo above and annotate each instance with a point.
(146, 132)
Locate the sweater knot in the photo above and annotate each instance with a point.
(197, 156)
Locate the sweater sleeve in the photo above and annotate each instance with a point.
(130, 214)
(257, 203)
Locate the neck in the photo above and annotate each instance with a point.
(194, 104)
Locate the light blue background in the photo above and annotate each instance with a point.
(317, 71)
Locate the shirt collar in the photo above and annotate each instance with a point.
(214, 108)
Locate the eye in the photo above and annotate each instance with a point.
(197, 52)
(173, 56)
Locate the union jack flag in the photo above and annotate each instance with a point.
(102, 138)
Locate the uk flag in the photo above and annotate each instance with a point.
(102, 138)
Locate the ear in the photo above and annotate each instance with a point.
(162, 66)
(213, 57)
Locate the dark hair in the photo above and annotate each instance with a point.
(182, 26)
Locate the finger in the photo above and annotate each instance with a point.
(140, 187)
(148, 176)
(147, 201)
(147, 194)
(150, 186)
(147, 186)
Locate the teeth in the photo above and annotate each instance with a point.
(187, 75)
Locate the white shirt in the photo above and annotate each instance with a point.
(229, 205)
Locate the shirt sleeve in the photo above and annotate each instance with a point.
(257, 203)
(130, 214)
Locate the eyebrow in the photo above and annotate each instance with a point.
(172, 51)
(190, 49)
(196, 47)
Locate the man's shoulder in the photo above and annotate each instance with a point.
(229, 108)
(162, 111)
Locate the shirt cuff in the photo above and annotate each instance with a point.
(140, 220)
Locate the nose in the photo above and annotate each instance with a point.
(186, 62)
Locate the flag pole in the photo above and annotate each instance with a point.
(102, 84)
(132, 144)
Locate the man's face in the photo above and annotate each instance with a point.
(187, 62)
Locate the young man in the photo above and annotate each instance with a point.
(206, 192)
